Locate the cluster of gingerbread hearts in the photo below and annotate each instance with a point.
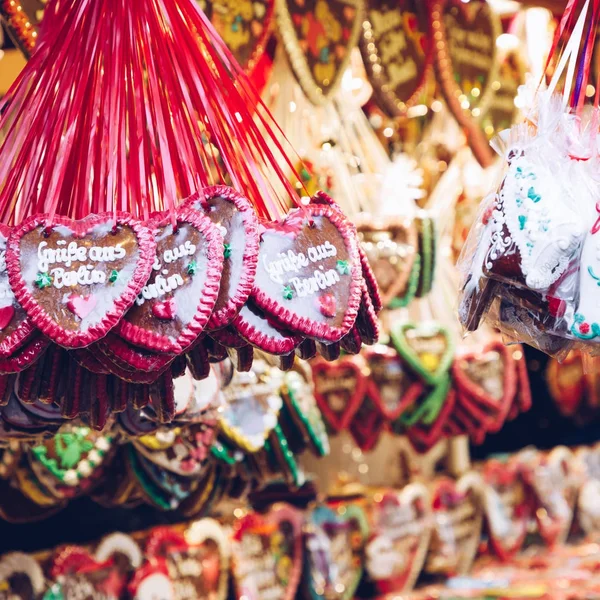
(417, 385)
(233, 433)
(402, 255)
(166, 563)
(106, 312)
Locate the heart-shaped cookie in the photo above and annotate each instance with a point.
(186, 272)
(458, 516)
(244, 28)
(23, 19)
(267, 552)
(70, 461)
(309, 275)
(552, 484)
(252, 407)
(334, 544)
(506, 508)
(391, 386)
(197, 563)
(59, 269)
(401, 524)
(15, 326)
(426, 347)
(339, 390)
(367, 424)
(487, 383)
(466, 63)
(397, 51)
(233, 214)
(318, 37)
(391, 250)
(300, 416)
(21, 577)
(76, 573)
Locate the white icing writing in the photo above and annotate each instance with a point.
(290, 261)
(164, 285)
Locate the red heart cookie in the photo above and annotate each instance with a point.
(235, 217)
(197, 563)
(268, 554)
(76, 573)
(457, 525)
(54, 266)
(487, 384)
(506, 508)
(309, 275)
(186, 273)
(15, 326)
(401, 523)
(339, 390)
(463, 30)
(367, 424)
(391, 385)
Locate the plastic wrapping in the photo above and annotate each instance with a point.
(531, 264)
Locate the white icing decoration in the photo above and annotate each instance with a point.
(155, 587)
(588, 310)
(290, 261)
(75, 253)
(546, 231)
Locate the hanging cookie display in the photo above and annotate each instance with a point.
(318, 36)
(244, 26)
(466, 64)
(397, 48)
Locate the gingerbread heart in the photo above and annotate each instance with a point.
(245, 30)
(76, 279)
(76, 573)
(465, 59)
(457, 521)
(23, 20)
(267, 552)
(21, 577)
(15, 326)
(427, 349)
(186, 272)
(334, 544)
(552, 484)
(391, 250)
(318, 37)
(339, 390)
(367, 424)
(391, 386)
(301, 415)
(233, 214)
(252, 407)
(70, 461)
(487, 383)
(197, 563)
(506, 508)
(396, 551)
(397, 52)
(309, 276)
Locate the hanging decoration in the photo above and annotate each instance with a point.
(397, 51)
(465, 59)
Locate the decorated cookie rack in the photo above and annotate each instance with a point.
(232, 434)
(104, 310)
(529, 266)
(379, 542)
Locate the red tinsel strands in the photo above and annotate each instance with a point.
(134, 108)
